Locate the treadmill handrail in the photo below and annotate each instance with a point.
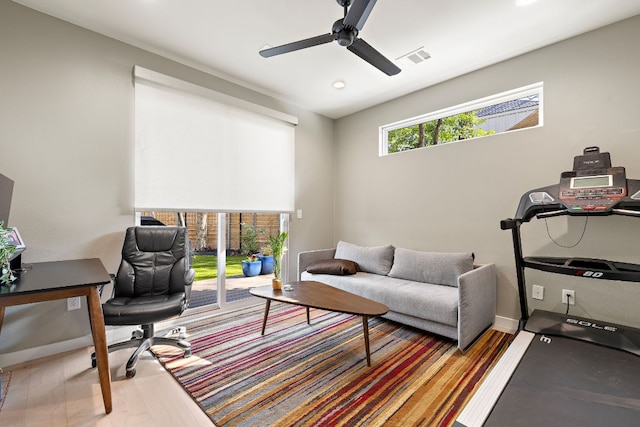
(550, 214)
(626, 212)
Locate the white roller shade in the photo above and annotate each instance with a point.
(199, 150)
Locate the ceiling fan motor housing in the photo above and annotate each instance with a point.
(345, 36)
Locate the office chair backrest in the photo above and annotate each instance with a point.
(155, 261)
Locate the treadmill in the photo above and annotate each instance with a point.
(564, 370)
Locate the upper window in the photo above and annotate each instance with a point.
(516, 109)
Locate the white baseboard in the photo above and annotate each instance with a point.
(505, 324)
(22, 356)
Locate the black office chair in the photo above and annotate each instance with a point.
(153, 283)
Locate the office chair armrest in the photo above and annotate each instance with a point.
(189, 277)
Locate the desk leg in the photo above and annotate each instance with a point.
(100, 345)
(365, 329)
(266, 314)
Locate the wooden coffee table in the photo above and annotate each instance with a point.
(312, 294)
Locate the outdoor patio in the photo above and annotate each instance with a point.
(205, 292)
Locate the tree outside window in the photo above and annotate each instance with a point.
(439, 131)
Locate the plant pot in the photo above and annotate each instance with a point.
(277, 284)
(267, 264)
(250, 269)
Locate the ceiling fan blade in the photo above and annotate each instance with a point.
(373, 57)
(300, 44)
(358, 13)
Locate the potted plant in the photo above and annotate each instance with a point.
(278, 249)
(267, 260)
(248, 239)
(6, 251)
(251, 266)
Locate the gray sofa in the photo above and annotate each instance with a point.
(443, 293)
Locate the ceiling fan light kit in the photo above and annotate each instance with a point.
(345, 31)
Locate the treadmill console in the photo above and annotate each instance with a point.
(592, 185)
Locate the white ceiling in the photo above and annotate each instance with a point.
(224, 37)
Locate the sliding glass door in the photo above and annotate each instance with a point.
(220, 242)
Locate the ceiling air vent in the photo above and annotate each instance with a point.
(414, 57)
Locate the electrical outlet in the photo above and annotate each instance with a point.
(537, 292)
(73, 303)
(569, 294)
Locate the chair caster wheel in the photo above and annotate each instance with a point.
(187, 353)
(131, 373)
(94, 363)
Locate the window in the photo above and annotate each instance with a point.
(508, 111)
(220, 279)
(205, 156)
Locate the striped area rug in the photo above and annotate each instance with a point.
(316, 375)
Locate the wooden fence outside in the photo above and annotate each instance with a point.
(264, 225)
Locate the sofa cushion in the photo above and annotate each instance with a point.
(372, 259)
(435, 303)
(437, 268)
(339, 267)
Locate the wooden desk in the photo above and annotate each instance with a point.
(46, 281)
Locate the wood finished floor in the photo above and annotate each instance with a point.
(63, 390)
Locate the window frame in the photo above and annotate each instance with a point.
(532, 89)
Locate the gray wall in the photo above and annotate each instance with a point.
(452, 197)
(66, 138)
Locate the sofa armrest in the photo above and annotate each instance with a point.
(305, 259)
(476, 303)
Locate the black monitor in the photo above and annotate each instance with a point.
(6, 192)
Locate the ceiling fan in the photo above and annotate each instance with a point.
(345, 32)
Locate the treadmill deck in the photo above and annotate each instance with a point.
(570, 372)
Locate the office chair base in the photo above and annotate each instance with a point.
(143, 341)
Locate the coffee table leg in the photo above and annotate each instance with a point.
(266, 314)
(308, 318)
(365, 329)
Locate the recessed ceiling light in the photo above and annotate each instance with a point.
(338, 84)
(525, 3)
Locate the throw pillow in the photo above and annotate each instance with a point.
(437, 268)
(338, 267)
(373, 259)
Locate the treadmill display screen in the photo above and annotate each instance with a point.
(592, 181)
